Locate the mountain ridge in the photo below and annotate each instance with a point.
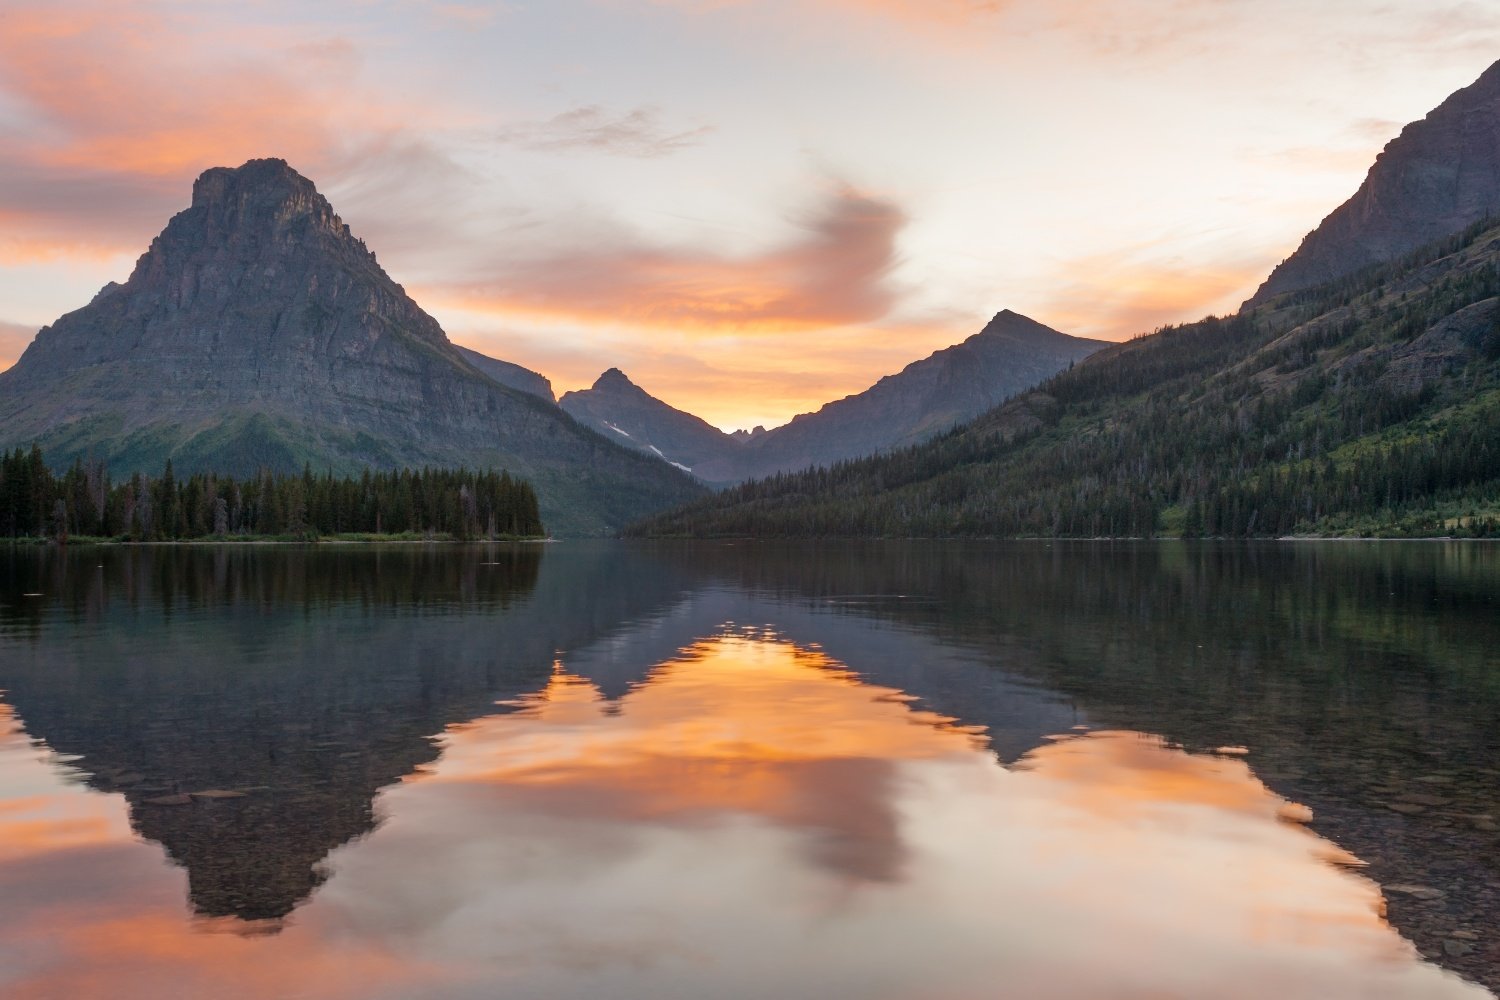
(258, 331)
(1009, 355)
(615, 405)
(1440, 175)
(1368, 407)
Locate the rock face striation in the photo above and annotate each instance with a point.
(258, 332)
(1010, 355)
(1439, 176)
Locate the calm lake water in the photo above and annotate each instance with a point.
(603, 770)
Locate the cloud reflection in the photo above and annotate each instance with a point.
(750, 820)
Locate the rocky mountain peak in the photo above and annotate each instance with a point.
(265, 197)
(258, 332)
(614, 379)
(1439, 176)
(265, 179)
(1010, 325)
(257, 275)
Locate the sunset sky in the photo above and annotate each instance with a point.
(750, 206)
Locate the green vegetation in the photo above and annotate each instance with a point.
(83, 504)
(1367, 407)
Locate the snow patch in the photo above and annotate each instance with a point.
(668, 460)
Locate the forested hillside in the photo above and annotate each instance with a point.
(1367, 406)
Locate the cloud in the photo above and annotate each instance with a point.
(14, 338)
(117, 107)
(107, 86)
(1117, 295)
(637, 133)
(730, 381)
(835, 272)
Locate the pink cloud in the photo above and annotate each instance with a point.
(122, 105)
(1117, 295)
(836, 272)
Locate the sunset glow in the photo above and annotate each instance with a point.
(750, 206)
(749, 813)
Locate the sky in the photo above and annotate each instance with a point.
(750, 206)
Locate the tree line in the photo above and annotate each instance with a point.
(463, 504)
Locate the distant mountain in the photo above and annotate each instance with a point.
(257, 331)
(509, 374)
(1369, 406)
(618, 408)
(1439, 176)
(1368, 403)
(1011, 354)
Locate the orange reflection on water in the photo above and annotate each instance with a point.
(739, 725)
(1118, 785)
(752, 820)
(1089, 768)
(87, 910)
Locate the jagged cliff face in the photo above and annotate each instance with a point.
(511, 374)
(257, 331)
(1439, 176)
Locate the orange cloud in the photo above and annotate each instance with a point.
(835, 273)
(111, 91)
(1115, 296)
(728, 380)
(122, 105)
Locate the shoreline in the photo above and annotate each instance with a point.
(48, 543)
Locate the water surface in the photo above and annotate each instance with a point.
(899, 770)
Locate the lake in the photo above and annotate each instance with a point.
(915, 771)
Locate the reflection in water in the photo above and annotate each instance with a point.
(294, 686)
(737, 726)
(609, 791)
(749, 818)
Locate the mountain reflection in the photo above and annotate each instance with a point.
(297, 682)
(864, 771)
(749, 819)
(738, 725)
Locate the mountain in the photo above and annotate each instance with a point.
(257, 331)
(1439, 176)
(1011, 354)
(618, 408)
(510, 374)
(1370, 406)
(1367, 404)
